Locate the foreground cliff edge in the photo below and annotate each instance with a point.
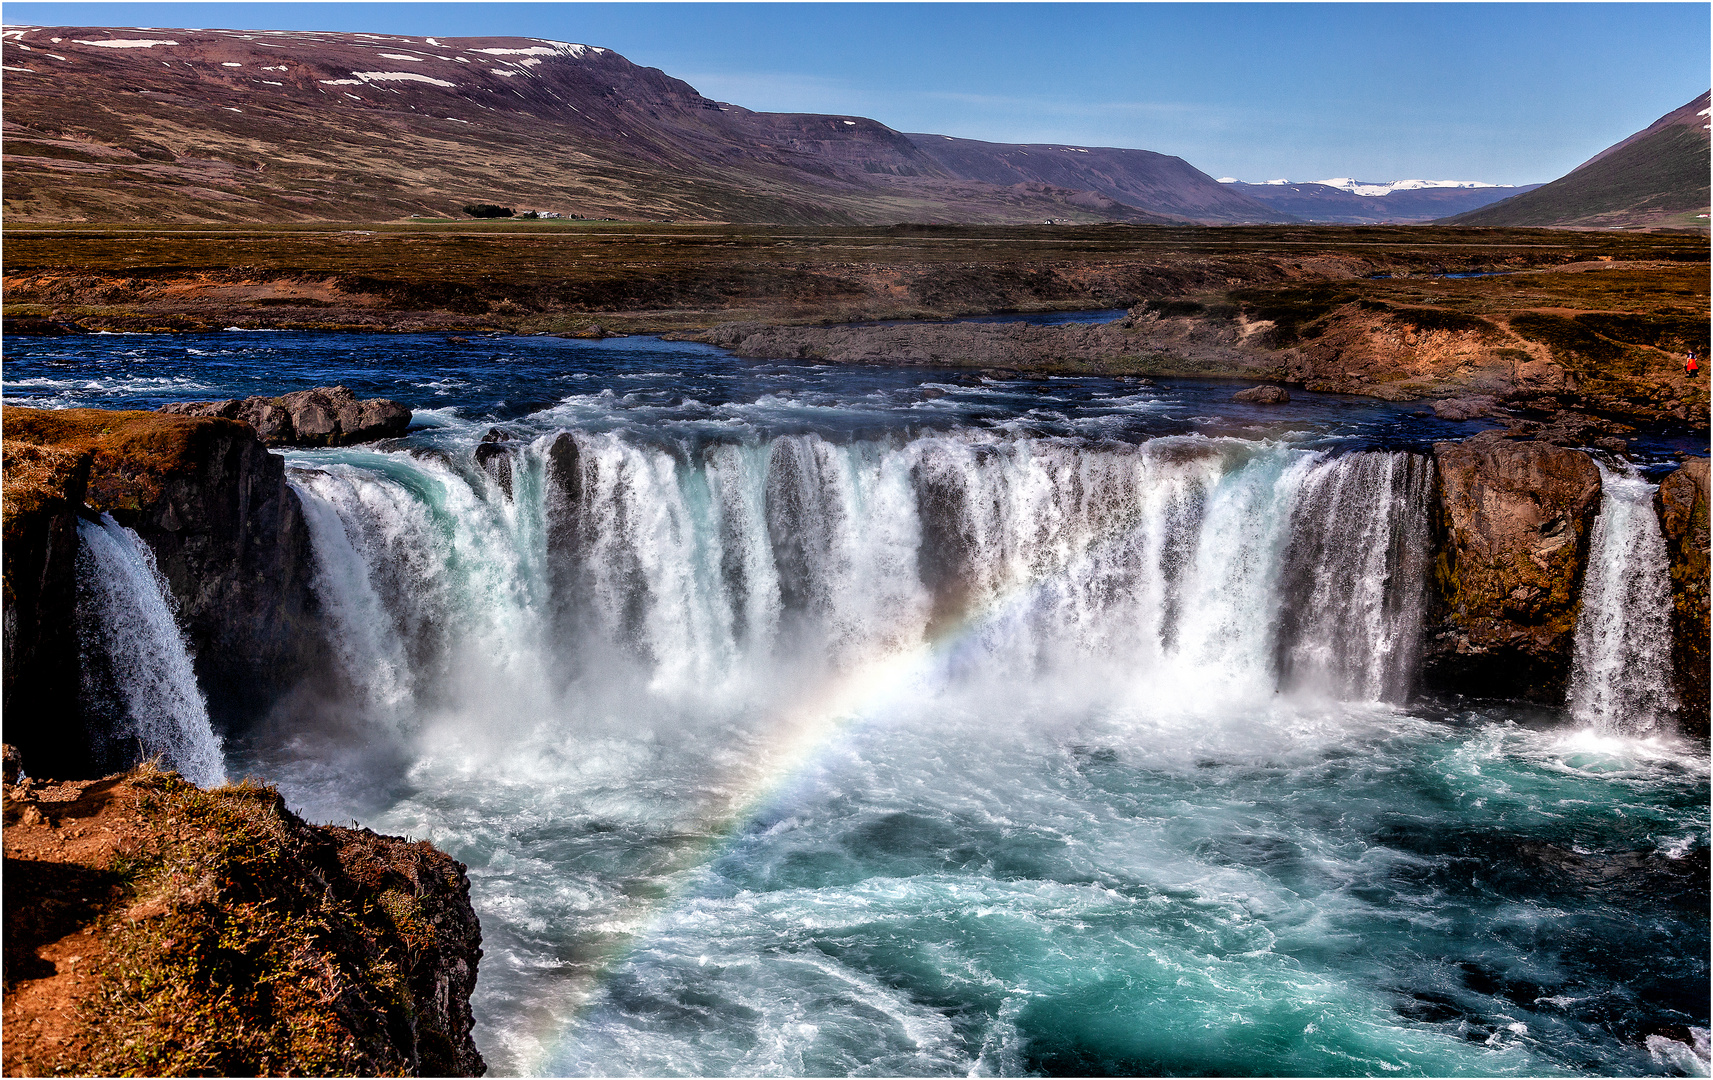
(154, 928)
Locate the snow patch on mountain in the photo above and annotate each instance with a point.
(399, 76)
(125, 43)
(546, 48)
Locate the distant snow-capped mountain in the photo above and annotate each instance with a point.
(1343, 200)
(1368, 187)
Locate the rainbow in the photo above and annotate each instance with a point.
(802, 734)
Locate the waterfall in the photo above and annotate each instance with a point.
(694, 575)
(135, 658)
(1620, 679)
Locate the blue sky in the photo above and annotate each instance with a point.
(1506, 93)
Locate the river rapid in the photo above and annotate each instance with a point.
(797, 720)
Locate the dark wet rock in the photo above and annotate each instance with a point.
(227, 533)
(1263, 395)
(325, 416)
(495, 458)
(1682, 505)
(36, 326)
(1514, 520)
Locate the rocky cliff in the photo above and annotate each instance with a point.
(1513, 524)
(153, 928)
(1682, 504)
(227, 533)
(43, 492)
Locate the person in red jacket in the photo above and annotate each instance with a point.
(1690, 367)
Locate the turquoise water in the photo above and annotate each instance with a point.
(968, 886)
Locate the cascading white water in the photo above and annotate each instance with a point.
(1193, 568)
(126, 621)
(1620, 680)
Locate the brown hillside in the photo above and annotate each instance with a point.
(219, 125)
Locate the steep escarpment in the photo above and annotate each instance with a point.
(227, 534)
(153, 928)
(1682, 504)
(1514, 523)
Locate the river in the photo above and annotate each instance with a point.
(885, 721)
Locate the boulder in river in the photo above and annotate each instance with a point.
(325, 416)
(1463, 408)
(1515, 519)
(1263, 395)
(495, 458)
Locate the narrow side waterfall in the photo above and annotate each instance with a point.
(1620, 678)
(135, 659)
(1189, 568)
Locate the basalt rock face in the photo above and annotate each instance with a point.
(1514, 520)
(227, 534)
(1682, 505)
(325, 416)
(44, 488)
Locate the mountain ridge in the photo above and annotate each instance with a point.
(224, 125)
(1656, 178)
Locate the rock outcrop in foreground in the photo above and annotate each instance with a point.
(156, 929)
(325, 416)
(227, 533)
(1683, 521)
(1515, 519)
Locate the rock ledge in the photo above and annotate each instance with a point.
(325, 416)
